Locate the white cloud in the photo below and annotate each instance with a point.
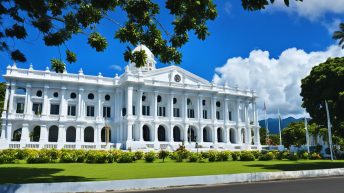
(311, 9)
(276, 80)
(116, 67)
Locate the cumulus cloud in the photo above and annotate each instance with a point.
(116, 67)
(311, 9)
(277, 81)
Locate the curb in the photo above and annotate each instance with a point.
(150, 183)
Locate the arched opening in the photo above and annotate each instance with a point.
(53, 133)
(232, 135)
(176, 134)
(146, 133)
(253, 136)
(243, 136)
(17, 134)
(103, 134)
(220, 135)
(89, 134)
(206, 134)
(161, 133)
(191, 134)
(70, 134)
(35, 134)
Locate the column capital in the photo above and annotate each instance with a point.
(63, 88)
(81, 89)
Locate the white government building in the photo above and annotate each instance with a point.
(144, 108)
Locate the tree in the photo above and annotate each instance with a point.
(294, 134)
(339, 35)
(325, 82)
(59, 20)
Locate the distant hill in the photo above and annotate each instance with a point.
(273, 123)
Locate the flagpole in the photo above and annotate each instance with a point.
(279, 127)
(329, 129)
(307, 135)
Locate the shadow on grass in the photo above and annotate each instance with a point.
(19, 175)
(300, 166)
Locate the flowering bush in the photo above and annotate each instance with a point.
(150, 156)
(126, 157)
(246, 156)
(138, 155)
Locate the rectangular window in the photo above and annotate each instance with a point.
(230, 115)
(71, 110)
(161, 111)
(20, 108)
(37, 108)
(54, 109)
(134, 112)
(218, 115)
(106, 112)
(205, 114)
(145, 110)
(124, 112)
(90, 111)
(191, 113)
(176, 112)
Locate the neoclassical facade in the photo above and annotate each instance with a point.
(145, 108)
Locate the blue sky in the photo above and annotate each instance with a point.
(235, 33)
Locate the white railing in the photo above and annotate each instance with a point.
(88, 146)
(14, 145)
(69, 146)
(150, 145)
(32, 145)
(50, 146)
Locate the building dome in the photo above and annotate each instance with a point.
(150, 62)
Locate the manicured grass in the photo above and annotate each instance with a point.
(72, 172)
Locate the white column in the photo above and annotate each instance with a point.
(9, 132)
(226, 133)
(27, 105)
(130, 131)
(200, 101)
(79, 135)
(185, 107)
(99, 105)
(213, 108)
(186, 133)
(215, 134)
(3, 131)
(200, 134)
(156, 132)
(61, 136)
(155, 106)
(80, 104)
(226, 114)
(63, 104)
(25, 133)
(45, 101)
(7, 96)
(44, 134)
(171, 133)
(97, 134)
(198, 108)
(130, 101)
(140, 132)
(10, 108)
(139, 104)
(170, 106)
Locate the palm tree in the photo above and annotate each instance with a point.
(339, 35)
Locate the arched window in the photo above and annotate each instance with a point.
(39, 93)
(191, 134)
(71, 134)
(35, 134)
(146, 133)
(232, 135)
(89, 134)
(17, 134)
(219, 135)
(176, 134)
(103, 134)
(161, 133)
(53, 133)
(206, 134)
(90, 96)
(72, 95)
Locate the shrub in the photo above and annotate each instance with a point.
(293, 156)
(193, 157)
(138, 155)
(204, 155)
(223, 156)
(246, 156)
(315, 156)
(267, 156)
(282, 155)
(7, 156)
(256, 154)
(212, 156)
(236, 155)
(183, 152)
(150, 156)
(303, 155)
(41, 156)
(163, 154)
(67, 157)
(176, 156)
(94, 156)
(126, 157)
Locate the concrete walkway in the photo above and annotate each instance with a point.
(118, 185)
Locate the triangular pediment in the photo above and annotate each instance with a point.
(171, 73)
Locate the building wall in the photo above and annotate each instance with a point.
(210, 117)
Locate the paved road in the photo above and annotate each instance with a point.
(315, 185)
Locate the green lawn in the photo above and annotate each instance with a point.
(61, 172)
